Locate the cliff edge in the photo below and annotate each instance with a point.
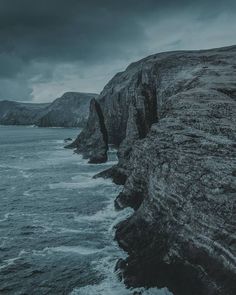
(173, 118)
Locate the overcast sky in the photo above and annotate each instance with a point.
(48, 47)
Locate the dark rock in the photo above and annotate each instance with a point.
(173, 117)
(68, 139)
(120, 267)
(116, 174)
(128, 106)
(124, 200)
(95, 146)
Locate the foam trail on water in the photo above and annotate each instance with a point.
(61, 238)
(78, 250)
(11, 261)
(107, 214)
(110, 285)
(74, 231)
(6, 216)
(89, 183)
(73, 249)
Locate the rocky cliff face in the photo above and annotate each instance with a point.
(173, 118)
(70, 110)
(93, 141)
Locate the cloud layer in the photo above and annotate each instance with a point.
(51, 46)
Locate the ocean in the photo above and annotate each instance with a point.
(56, 221)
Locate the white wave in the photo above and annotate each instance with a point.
(8, 262)
(111, 163)
(106, 265)
(11, 261)
(39, 252)
(31, 126)
(4, 241)
(46, 228)
(108, 287)
(27, 193)
(12, 167)
(111, 284)
(6, 216)
(100, 167)
(83, 175)
(24, 174)
(155, 291)
(120, 216)
(60, 141)
(73, 231)
(54, 127)
(67, 249)
(83, 183)
(107, 214)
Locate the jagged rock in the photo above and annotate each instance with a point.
(173, 117)
(70, 110)
(127, 97)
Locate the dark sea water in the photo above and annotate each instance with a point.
(56, 222)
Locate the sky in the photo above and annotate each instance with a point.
(48, 47)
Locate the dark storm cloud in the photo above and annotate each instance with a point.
(36, 37)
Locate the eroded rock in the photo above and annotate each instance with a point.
(173, 118)
(92, 142)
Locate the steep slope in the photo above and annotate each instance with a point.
(173, 117)
(95, 143)
(70, 110)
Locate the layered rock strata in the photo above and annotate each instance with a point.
(173, 118)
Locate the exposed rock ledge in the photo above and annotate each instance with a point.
(173, 117)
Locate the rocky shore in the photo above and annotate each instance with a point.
(172, 117)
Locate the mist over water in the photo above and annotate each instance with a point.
(56, 222)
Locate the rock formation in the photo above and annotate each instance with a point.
(173, 118)
(69, 110)
(93, 141)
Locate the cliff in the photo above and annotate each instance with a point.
(173, 118)
(69, 110)
(16, 113)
